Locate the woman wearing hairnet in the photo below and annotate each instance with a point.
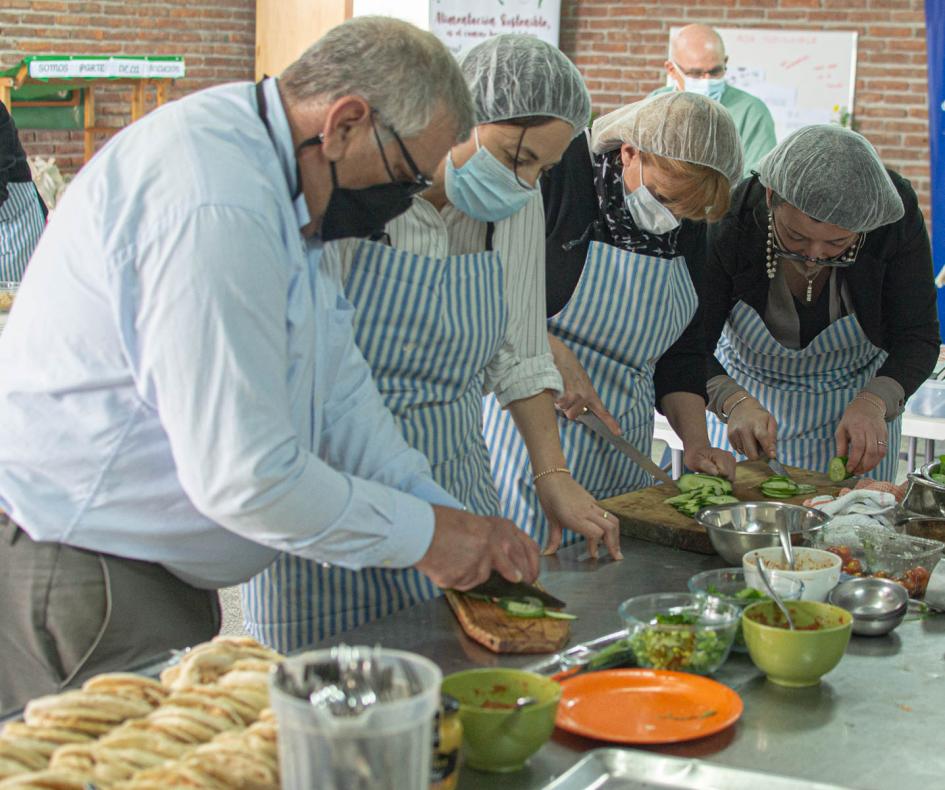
(449, 304)
(820, 297)
(626, 244)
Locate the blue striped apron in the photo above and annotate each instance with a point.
(806, 390)
(427, 327)
(21, 223)
(626, 311)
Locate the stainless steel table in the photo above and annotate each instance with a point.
(876, 721)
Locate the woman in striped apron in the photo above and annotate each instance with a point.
(451, 303)
(623, 294)
(22, 211)
(820, 306)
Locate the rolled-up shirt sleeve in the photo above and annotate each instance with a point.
(209, 352)
(523, 366)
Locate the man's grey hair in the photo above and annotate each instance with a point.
(403, 72)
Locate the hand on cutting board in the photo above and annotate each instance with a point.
(752, 431)
(568, 505)
(466, 547)
(710, 461)
(579, 395)
(859, 434)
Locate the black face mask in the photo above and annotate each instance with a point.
(362, 213)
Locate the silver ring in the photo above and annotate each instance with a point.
(584, 410)
(881, 443)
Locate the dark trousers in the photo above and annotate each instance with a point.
(67, 614)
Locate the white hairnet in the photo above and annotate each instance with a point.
(514, 76)
(677, 125)
(833, 175)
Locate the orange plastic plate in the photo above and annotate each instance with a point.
(646, 706)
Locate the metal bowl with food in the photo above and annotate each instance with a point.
(744, 526)
(877, 605)
(925, 495)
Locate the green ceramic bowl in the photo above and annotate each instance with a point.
(496, 737)
(801, 657)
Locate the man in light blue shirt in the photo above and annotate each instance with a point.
(181, 396)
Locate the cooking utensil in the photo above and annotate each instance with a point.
(785, 537)
(595, 424)
(770, 590)
(739, 528)
(497, 586)
(878, 605)
(778, 468)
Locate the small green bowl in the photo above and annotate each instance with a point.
(497, 739)
(801, 657)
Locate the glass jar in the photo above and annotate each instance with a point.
(447, 740)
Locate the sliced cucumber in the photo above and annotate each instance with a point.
(837, 470)
(523, 607)
(554, 614)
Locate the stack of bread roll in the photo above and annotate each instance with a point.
(125, 730)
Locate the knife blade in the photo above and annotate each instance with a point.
(497, 586)
(778, 468)
(596, 424)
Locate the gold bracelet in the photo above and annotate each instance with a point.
(868, 398)
(728, 414)
(540, 475)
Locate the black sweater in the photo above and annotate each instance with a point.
(890, 284)
(13, 166)
(571, 208)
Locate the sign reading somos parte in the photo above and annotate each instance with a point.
(460, 29)
(79, 67)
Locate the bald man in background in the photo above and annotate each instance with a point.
(697, 63)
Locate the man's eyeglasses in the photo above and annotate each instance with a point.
(842, 261)
(420, 182)
(714, 73)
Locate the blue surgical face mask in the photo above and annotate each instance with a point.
(713, 88)
(484, 188)
(648, 213)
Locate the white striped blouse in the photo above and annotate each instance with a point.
(523, 366)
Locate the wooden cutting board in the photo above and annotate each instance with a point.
(644, 515)
(491, 626)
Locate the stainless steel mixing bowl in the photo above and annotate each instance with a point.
(877, 605)
(741, 527)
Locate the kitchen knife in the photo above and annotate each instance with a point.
(778, 468)
(497, 586)
(594, 423)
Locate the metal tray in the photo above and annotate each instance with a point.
(636, 770)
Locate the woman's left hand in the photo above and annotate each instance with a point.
(862, 436)
(710, 461)
(568, 505)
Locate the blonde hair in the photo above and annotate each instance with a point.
(695, 192)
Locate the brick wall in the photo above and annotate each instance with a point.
(620, 47)
(216, 37)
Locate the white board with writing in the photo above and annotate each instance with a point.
(460, 24)
(804, 76)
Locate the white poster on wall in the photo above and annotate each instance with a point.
(417, 12)
(804, 76)
(460, 24)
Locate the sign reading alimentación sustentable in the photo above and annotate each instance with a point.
(461, 25)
